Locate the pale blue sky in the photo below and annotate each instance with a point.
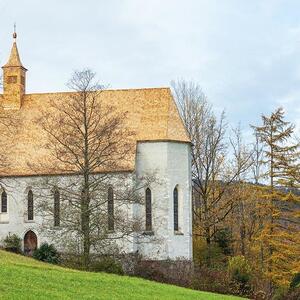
(245, 54)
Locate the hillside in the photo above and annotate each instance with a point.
(25, 278)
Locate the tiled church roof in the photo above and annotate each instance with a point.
(151, 114)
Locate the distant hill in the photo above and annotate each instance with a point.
(25, 278)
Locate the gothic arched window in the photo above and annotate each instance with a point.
(148, 210)
(110, 209)
(56, 208)
(175, 207)
(4, 202)
(30, 206)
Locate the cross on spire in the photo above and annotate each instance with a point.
(15, 32)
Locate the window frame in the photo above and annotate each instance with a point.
(176, 209)
(4, 204)
(148, 210)
(110, 210)
(30, 206)
(56, 208)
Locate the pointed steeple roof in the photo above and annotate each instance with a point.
(14, 58)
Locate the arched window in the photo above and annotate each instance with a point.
(56, 208)
(4, 202)
(30, 206)
(148, 210)
(175, 207)
(110, 209)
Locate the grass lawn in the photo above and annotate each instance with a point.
(25, 278)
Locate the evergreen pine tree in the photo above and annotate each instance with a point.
(279, 235)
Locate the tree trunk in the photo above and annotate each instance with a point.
(85, 221)
(242, 228)
(208, 243)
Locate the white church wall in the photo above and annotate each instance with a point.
(15, 221)
(171, 163)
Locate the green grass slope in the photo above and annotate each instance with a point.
(25, 278)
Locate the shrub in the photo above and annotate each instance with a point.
(71, 261)
(223, 240)
(155, 272)
(212, 280)
(284, 294)
(178, 272)
(240, 272)
(293, 294)
(47, 253)
(218, 281)
(205, 255)
(108, 265)
(295, 281)
(280, 293)
(294, 291)
(12, 243)
(239, 269)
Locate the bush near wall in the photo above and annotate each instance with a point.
(47, 253)
(100, 263)
(179, 272)
(12, 243)
(107, 264)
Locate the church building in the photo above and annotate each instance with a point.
(161, 146)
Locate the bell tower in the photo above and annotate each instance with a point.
(14, 78)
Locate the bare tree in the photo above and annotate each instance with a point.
(241, 163)
(212, 176)
(257, 159)
(87, 138)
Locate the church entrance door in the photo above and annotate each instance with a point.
(30, 242)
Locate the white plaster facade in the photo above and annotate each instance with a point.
(169, 160)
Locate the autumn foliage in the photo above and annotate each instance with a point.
(246, 197)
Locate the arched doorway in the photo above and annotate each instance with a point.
(30, 242)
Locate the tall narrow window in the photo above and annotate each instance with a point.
(110, 209)
(30, 206)
(56, 208)
(148, 210)
(4, 202)
(175, 203)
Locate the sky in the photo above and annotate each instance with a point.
(244, 54)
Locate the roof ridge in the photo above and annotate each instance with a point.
(104, 90)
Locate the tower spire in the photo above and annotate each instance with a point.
(14, 58)
(14, 78)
